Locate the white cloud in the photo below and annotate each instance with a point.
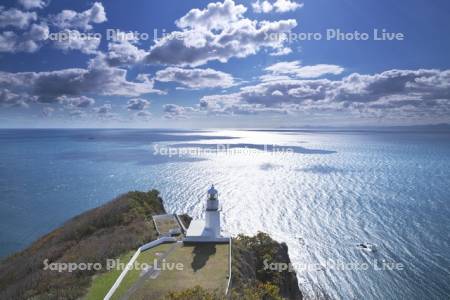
(279, 6)
(124, 52)
(29, 41)
(281, 51)
(76, 102)
(97, 79)
(137, 104)
(16, 18)
(144, 114)
(196, 78)
(262, 6)
(293, 68)
(104, 109)
(282, 6)
(215, 16)
(174, 111)
(30, 4)
(411, 92)
(70, 19)
(220, 34)
(76, 41)
(10, 99)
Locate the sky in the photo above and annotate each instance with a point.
(201, 64)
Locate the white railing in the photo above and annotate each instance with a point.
(229, 270)
(133, 259)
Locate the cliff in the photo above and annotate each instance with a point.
(104, 232)
(249, 269)
(114, 229)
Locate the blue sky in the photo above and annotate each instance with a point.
(229, 67)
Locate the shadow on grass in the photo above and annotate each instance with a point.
(202, 252)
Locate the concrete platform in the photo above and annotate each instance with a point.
(197, 233)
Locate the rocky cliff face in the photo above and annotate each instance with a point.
(250, 259)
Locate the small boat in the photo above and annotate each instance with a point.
(367, 247)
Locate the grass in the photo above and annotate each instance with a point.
(148, 257)
(205, 265)
(102, 283)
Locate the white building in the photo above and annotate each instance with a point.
(207, 230)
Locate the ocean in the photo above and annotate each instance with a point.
(320, 192)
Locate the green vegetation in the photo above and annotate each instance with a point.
(248, 255)
(249, 279)
(196, 292)
(147, 257)
(264, 291)
(103, 282)
(102, 233)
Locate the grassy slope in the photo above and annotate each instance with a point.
(108, 231)
(147, 256)
(102, 283)
(205, 265)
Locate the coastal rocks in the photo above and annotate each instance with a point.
(249, 255)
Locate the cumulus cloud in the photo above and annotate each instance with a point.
(76, 102)
(281, 51)
(10, 99)
(76, 41)
(97, 79)
(144, 114)
(29, 41)
(196, 78)
(16, 18)
(31, 4)
(123, 52)
(137, 104)
(282, 6)
(104, 109)
(293, 68)
(232, 104)
(70, 19)
(419, 91)
(219, 32)
(279, 6)
(262, 6)
(174, 111)
(214, 16)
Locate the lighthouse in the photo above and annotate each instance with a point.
(207, 230)
(212, 218)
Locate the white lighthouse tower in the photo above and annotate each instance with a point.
(212, 219)
(207, 230)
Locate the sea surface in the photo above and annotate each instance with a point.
(322, 193)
